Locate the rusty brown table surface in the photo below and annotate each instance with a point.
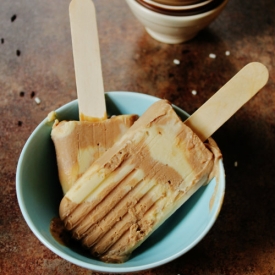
(36, 61)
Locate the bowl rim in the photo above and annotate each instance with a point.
(175, 8)
(113, 268)
(169, 19)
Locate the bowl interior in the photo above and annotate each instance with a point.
(39, 194)
(178, 2)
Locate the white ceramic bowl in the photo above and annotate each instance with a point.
(173, 29)
(39, 194)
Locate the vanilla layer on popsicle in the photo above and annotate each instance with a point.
(137, 184)
(79, 143)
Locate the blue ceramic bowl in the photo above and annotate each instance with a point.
(39, 194)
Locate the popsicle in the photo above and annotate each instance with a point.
(79, 143)
(129, 191)
(137, 184)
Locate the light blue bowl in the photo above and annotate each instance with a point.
(39, 194)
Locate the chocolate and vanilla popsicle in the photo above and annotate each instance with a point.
(79, 143)
(128, 192)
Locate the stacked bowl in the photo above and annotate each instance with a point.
(175, 21)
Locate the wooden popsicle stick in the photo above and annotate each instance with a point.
(87, 62)
(231, 97)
